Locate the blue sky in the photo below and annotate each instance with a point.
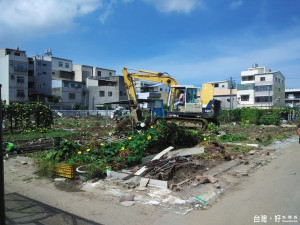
(195, 41)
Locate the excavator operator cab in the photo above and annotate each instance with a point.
(192, 99)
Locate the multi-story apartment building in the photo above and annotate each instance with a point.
(70, 93)
(14, 75)
(105, 90)
(64, 85)
(292, 97)
(100, 86)
(260, 87)
(39, 79)
(226, 93)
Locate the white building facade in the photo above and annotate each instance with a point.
(14, 75)
(262, 88)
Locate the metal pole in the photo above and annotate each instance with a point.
(2, 204)
(106, 115)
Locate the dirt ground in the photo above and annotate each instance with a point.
(95, 201)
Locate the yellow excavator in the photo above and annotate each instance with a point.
(197, 110)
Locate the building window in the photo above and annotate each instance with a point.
(278, 89)
(216, 85)
(161, 89)
(121, 93)
(53, 72)
(72, 85)
(71, 95)
(247, 78)
(262, 79)
(44, 64)
(20, 93)
(279, 80)
(20, 80)
(276, 79)
(101, 93)
(44, 84)
(17, 54)
(66, 84)
(60, 64)
(263, 88)
(223, 85)
(44, 73)
(99, 73)
(263, 99)
(244, 98)
(77, 85)
(110, 73)
(110, 93)
(67, 65)
(20, 67)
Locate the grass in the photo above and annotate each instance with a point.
(36, 134)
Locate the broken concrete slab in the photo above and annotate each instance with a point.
(144, 182)
(128, 203)
(158, 183)
(60, 179)
(118, 175)
(187, 151)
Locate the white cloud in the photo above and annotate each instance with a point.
(180, 6)
(191, 69)
(236, 4)
(108, 11)
(40, 17)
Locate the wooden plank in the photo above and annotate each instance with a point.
(159, 155)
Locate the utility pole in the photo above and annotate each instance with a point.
(230, 83)
(2, 203)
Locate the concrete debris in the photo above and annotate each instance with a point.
(215, 148)
(61, 179)
(127, 198)
(251, 152)
(127, 203)
(153, 202)
(187, 151)
(212, 179)
(144, 182)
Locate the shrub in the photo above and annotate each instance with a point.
(271, 119)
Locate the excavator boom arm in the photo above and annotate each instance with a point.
(144, 75)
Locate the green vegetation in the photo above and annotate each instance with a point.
(213, 128)
(98, 157)
(255, 116)
(34, 134)
(27, 117)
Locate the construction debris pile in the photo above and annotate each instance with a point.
(176, 169)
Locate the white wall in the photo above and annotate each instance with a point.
(4, 78)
